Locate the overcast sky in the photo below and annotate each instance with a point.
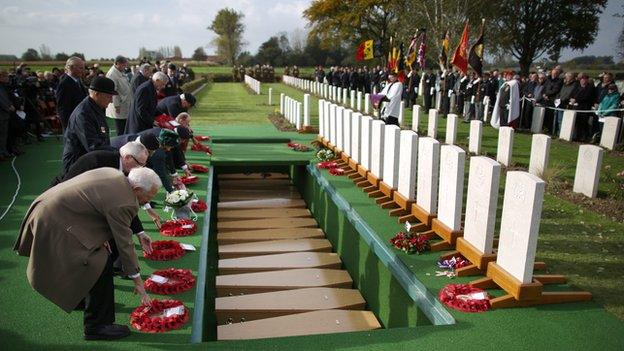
(107, 28)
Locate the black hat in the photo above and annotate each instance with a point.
(103, 85)
(150, 141)
(188, 97)
(172, 66)
(184, 132)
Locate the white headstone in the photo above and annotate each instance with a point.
(567, 125)
(358, 104)
(377, 148)
(326, 124)
(270, 96)
(391, 156)
(401, 111)
(365, 156)
(306, 110)
(346, 130)
(438, 100)
(483, 182)
(332, 124)
(450, 195)
(610, 132)
(415, 117)
(522, 211)
(366, 103)
(452, 99)
(356, 136)
(352, 99)
(474, 142)
(282, 104)
(486, 108)
(344, 96)
(537, 122)
(540, 150)
(339, 128)
(432, 126)
(451, 129)
(408, 166)
(588, 170)
(505, 145)
(298, 119)
(427, 181)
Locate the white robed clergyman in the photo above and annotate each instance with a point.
(513, 105)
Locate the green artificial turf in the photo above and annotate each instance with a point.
(571, 242)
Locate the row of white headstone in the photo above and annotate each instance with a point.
(357, 100)
(292, 110)
(415, 166)
(254, 84)
(610, 130)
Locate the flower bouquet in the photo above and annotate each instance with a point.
(325, 155)
(178, 202)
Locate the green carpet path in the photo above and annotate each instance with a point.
(229, 114)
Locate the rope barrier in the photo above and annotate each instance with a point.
(19, 185)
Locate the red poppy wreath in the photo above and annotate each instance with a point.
(159, 316)
(199, 206)
(165, 250)
(178, 227)
(170, 281)
(465, 297)
(188, 180)
(199, 168)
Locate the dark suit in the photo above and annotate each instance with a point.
(171, 105)
(143, 109)
(87, 131)
(121, 140)
(137, 80)
(69, 94)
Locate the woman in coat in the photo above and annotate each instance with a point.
(119, 108)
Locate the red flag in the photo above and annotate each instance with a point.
(460, 57)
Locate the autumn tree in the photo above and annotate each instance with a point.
(229, 28)
(529, 29)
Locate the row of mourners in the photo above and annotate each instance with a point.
(355, 100)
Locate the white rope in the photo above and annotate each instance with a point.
(19, 185)
(569, 109)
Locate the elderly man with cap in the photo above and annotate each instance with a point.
(70, 90)
(87, 129)
(143, 74)
(176, 104)
(392, 96)
(143, 109)
(119, 108)
(67, 233)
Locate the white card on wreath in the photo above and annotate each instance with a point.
(174, 311)
(188, 247)
(159, 279)
(187, 226)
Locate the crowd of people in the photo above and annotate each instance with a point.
(79, 233)
(467, 94)
(31, 103)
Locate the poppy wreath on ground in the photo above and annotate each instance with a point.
(465, 298)
(202, 137)
(178, 227)
(410, 243)
(336, 171)
(153, 318)
(327, 165)
(201, 147)
(165, 250)
(453, 263)
(199, 206)
(292, 145)
(178, 280)
(199, 168)
(187, 180)
(164, 121)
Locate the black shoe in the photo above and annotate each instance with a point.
(107, 332)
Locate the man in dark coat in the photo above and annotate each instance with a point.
(429, 90)
(142, 75)
(70, 91)
(143, 109)
(66, 234)
(87, 129)
(148, 137)
(552, 86)
(176, 104)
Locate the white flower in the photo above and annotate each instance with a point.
(173, 198)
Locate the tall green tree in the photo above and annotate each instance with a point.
(31, 55)
(229, 28)
(529, 29)
(199, 54)
(349, 21)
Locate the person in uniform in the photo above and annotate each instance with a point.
(87, 129)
